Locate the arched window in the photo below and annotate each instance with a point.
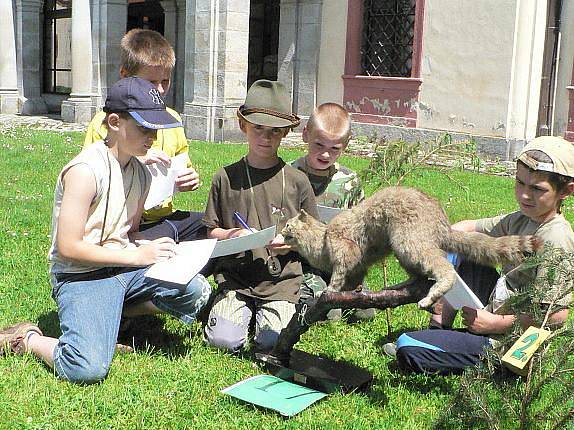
(58, 46)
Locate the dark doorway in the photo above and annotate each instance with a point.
(549, 62)
(146, 14)
(263, 40)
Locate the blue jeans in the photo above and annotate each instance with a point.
(90, 308)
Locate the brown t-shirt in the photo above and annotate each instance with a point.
(272, 196)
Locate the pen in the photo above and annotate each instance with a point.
(241, 221)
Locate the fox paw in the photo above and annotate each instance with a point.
(426, 303)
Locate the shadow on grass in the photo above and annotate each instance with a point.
(144, 333)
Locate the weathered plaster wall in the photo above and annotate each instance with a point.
(466, 65)
(332, 51)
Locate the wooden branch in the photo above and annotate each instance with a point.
(316, 310)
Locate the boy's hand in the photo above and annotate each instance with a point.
(154, 251)
(156, 156)
(238, 232)
(187, 180)
(480, 321)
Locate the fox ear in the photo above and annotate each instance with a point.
(303, 215)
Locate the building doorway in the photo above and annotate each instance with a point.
(146, 14)
(549, 69)
(263, 40)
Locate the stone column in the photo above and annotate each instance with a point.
(178, 84)
(526, 73)
(29, 24)
(8, 76)
(217, 46)
(80, 107)
(298, 59)
(109, 25)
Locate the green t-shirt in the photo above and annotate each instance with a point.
(336, 187)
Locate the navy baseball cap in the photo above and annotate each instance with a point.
(142, 101)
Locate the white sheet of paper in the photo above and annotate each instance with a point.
(461, 295)
(163, 180)
(189, 260)
(326, 213)
(239, 244)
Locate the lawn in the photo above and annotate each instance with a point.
(174, 383)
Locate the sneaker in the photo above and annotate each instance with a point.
(390, 349)
(356, 315)
(12, 338)
(334, 315)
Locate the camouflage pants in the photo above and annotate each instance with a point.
(313, 285)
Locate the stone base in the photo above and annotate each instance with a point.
(78, 110)
(33, 106)
(9, 101)
(492, 147)
(212, 123)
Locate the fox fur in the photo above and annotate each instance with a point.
(403, 221)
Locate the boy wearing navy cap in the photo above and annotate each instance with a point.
(96, 268)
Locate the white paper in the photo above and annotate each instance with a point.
(327, 213)
(190, 258)
(254, 240)
(163, 180)
(461, 295)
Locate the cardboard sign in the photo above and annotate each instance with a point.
(519, 354)
(274, 393)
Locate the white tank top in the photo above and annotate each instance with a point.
(121, 188)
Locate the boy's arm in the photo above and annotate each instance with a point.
(134, 233)
(79, 191)
(468, 225)
(482, 322)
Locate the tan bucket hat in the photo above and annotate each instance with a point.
(267, 103)
(559, 150)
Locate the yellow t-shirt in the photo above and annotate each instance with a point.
(172, 141)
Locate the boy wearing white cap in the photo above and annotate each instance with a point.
(544, 179)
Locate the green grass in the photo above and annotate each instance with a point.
(176, 385)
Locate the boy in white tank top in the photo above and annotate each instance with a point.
(96, 268)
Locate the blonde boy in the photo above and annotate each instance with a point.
(327, 134)
(262, 284)
(148, 55)
(96, 269)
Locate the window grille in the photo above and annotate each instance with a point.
(388, 32)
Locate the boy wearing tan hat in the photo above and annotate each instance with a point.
(260, 191)
(544, 179)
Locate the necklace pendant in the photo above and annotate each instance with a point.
(273, 266)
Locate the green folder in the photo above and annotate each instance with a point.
(274, 393)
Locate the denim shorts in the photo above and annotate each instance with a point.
(90, 307)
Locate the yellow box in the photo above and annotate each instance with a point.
(519, 354)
